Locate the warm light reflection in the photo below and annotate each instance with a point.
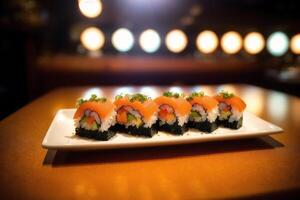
(176, 89)
(149, 41)
(231, 42)
(254, 100)
(61, 117)
(295, 110)
(176, 41)
(90, 8)
(65, 119)
(254, 43)
(227, 87)
(97, 91)
(124, 90)
(121, 186)
(278, 43)
(206, 89)
(277, 106)
(295, 44)
(166, 184)
(79, 189)
(92, 38)
(122, 40)
(149, 91)
(195, 89)
(207, 42)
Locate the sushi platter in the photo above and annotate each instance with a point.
(136, 120)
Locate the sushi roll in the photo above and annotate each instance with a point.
(136, 114)
(204, 112)
(173, 113)
(94, 118)
(231, 109)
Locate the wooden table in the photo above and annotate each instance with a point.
(258, 167)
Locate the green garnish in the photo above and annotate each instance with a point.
(226, 94)
(130, 117)
(138, 97)
(119, 96)
(79, 102)
(195, 94)
(168, 94)
(134, 97)
(94, 126)
(92, 98)
(173, 94)
(195, 114)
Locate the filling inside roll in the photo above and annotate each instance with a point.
(167, 115)
(128, 116)
(227, 112)
(200, 114)
(92, 121)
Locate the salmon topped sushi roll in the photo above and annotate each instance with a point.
(231, 108)
(94, 118)
(136, 114)
(173, 113)
(204, 112)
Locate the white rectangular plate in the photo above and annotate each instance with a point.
(60, 134)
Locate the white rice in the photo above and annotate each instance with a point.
(76, 122)
(210, 116)
(213, 114)
(182, 119)
(108, 121)
(147, 123)
(151, 121)
(235, 115)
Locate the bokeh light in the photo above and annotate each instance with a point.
(277, 113)
(227, 87)
(208, 90)
(149, 41)
(231, 42)
(256, 106)
(149, 91)
(207, 42)
(88, 93)
(176, 41)
(124, 90)
(254, 43)
(90, 8)
(278, 43)
(122, 40)
(92, 38)
(295, 44)
(176, 89)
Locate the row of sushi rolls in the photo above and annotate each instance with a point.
(137, 114)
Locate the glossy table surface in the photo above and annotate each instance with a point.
(259, 167)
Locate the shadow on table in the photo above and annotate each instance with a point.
(293, 193)
(65, 158)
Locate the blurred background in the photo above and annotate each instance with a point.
(54, 43)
